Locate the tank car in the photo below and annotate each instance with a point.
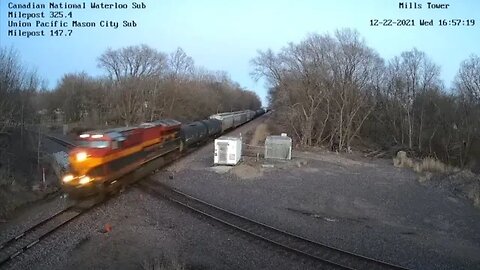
(199, 131)
(259, 112)
(214, 127)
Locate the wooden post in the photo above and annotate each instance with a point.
(43, 176)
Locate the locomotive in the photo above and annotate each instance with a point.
(102, 157)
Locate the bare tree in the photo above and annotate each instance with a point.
(80, 98)
(17, 85)
(467, 87)
(322, 86)
(133, 62)
(180, 64)
(467, 81)
(267, 65)
(129, 68)
(143, 84)
(354, 67)
(411, 74)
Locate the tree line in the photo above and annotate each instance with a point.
(334, 90)
(140, 84)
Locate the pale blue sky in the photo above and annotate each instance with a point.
(225, 35)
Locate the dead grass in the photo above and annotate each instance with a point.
(244, 171)
(260, 134)
(432, 165)
(330, 157)
(463, 182)
(426, 165)
(17, 192)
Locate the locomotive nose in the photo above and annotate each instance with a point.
(81, 156)
(77, 155)
(80, 160)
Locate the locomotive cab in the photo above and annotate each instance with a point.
(102, 157)
(86, 160)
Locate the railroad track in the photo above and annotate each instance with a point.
(66, 144)
(322, 253)
(38, 232)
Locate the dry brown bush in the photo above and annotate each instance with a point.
(432, 165)
(426, 165)
(260, 134)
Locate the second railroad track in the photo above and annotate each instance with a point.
(33, 235)
(324, 254)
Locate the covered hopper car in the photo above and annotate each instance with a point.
(233, 119)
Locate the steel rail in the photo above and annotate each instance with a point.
(33, 235)
(329, 255)
(64, 143)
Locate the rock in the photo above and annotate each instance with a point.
(401, 160)
(36, 187)
(107, 228)
(401, 155)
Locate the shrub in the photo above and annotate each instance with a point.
(432, 165)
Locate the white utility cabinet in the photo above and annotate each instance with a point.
(228, 151)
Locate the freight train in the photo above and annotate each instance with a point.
(102, 157)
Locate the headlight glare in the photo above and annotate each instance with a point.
(85, 180)
(81, 156)
(67, 178)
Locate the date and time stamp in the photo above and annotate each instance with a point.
(30, 19)
(422, 22)
(427, 22)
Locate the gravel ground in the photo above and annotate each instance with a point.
(145, 229)
(360, 205)
(367, 207)
(142, 232)
(30, 215)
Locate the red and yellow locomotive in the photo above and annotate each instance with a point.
(103, 156)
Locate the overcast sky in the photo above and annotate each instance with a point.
(225, 35)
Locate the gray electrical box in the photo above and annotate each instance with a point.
(278, 147)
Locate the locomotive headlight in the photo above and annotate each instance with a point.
(67, 178)
(82, 156)
(85, 180)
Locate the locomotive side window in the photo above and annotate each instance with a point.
(93, 144)
(118, 142)
(99, 144)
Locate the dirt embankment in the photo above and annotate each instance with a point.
(462, 183)
(25, 173)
